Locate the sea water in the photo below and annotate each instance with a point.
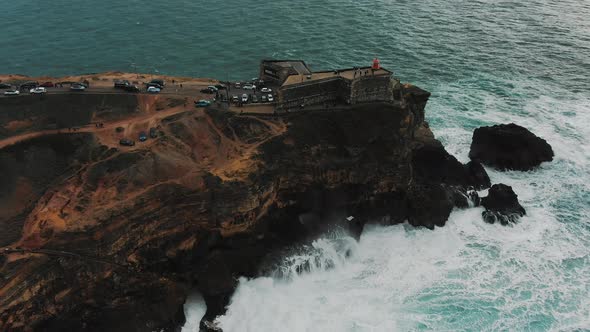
(485, 62)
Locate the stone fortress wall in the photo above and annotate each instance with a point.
(300, 87)
(371, 88)
(331, 90)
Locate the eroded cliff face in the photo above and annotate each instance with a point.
(105, 238)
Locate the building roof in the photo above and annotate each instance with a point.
(298, 65)
(348, 74)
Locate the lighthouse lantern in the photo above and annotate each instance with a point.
(376, 64)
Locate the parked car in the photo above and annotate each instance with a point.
(238, 85)
(254, 98)
(212, 87)
(202, 103)
(249, 87)
(5, 86)
(127, 142)
(266, 90)
(121, 84)
(153, 89)
(235, 99)
(142, 136)
(77, 87)
(11, 93)
(220, 86)
(263, 99)
(154, 85)
(270, 98)
(47, 85)
(131, 88)
(38, 91)
(208, 90)
(158, 82)
(153, 133)
(29, 85)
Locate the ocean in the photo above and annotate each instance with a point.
(485, 62)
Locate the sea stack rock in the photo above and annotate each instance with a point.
(509, 147)
(501, 205)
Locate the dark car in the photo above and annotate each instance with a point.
(159, 82)
(208, 90)
(77, 87)
(142, 136)
(5, 86)
(119, 129)
(153, 133)
(47, 85)
(254, 98)
(28, 86)
(127, 142)
(121, 84)
(131, 88)
(220, 86)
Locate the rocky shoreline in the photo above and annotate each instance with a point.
(112, 239)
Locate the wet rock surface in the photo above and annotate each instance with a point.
(501, 205)
(509, 147)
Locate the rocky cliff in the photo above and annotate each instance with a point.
(98, 237)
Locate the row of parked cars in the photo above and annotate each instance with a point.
(253, 98)
(143, 136)
(154, 86)
(36, 88)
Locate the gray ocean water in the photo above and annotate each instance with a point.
(484, 61)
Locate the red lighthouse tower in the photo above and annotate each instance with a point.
(376, 64)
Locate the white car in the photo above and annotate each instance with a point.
(266, 90)
(11, 93)
(38, 91)
(244, 98)
(270, 98)
(153, 89)
(249, 87)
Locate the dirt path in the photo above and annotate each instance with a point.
(91, 128)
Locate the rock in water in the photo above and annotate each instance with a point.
(477, 175)
(501, 205)
(509, 147)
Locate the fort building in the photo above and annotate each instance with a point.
(299, 86)
(277, 71)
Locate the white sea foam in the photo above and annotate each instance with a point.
(194, 310)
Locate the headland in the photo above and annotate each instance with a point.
(116, 203)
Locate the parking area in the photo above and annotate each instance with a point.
(250, 92)
(103, 85)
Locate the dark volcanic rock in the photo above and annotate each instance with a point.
(509, 147)
(433, 164)
(477, 175)
(429, 205)
(501, 205)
